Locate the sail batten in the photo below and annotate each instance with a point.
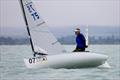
(39, 32)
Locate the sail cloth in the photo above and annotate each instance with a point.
(40, 34)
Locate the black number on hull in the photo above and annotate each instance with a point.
(31, 60)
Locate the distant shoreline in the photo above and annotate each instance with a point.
(61, 44)
(68, 44)
(68, 40)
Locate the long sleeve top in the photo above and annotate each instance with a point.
(80, 41)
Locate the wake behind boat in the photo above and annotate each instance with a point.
(47, 51)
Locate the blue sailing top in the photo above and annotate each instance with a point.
(80, 40)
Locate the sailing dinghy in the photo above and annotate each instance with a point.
(47, 51)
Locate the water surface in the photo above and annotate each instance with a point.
(12, 66)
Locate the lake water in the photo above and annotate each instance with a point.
(12, 66)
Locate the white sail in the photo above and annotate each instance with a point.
(40, 34)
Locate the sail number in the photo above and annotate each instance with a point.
(32, 11)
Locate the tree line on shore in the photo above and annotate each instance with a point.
(63, 40)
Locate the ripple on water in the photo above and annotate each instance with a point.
(12, 66)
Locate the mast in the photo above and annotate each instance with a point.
(87, 34)
(22, 6)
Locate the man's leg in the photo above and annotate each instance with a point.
(82, 49)
(79, 49)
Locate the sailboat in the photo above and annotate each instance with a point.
(47, 51)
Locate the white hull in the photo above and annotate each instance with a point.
(68, 60)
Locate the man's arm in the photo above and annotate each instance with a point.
(84, 40)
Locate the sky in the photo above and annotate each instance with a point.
(60, 13)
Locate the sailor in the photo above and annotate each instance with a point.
(80, 41)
